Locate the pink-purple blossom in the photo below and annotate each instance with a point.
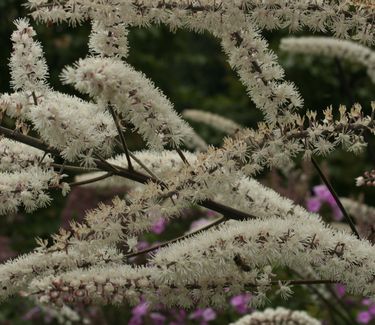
(159, 226)
(204, 315)
(340, 290)
(241, 303)
(322, 195)
(364, 317)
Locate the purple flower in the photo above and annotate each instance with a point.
(208, 314)
(364, 317)
(159, 226)
(240, 303)
(157, 318)
(340, 290)
(323, 193)
(366, 302)
(313, 204)
(205, 315)
(371, 310)
(140, 310)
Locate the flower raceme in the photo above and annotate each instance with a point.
(134, 96)
(84, 264)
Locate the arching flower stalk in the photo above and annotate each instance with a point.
(140, 102)
(180, 270)
(16, 275)
(262, 230)
(335, 16)
(334, 48)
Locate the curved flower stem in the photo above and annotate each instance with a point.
(336, 198)
(227, 211)
(140, 163)
(122, 137)
(182, 156)
(76, 169)
(156, 247)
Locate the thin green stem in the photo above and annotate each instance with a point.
(336, 198)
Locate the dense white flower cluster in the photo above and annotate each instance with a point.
(15, 105)
(17, 274)
(272, 147)
(278, 316)
(109, 40)
(242, 250)
(334, 48)
(321, 15)
(26, 188)
(83, 264)
(133, 95)
(25, 176)
(28, 66)
(259, 71)
(216, 121)
(92, 132)
(15, 156)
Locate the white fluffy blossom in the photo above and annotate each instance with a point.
(335, 16)
(133, 95)
(16, 156)
(25, 177)
(15, 275)
(278, 316)
(28, 67)
(360, 211)
(259, 71)
(331, 47)
(109, 40)
(26, 188)
(241, 251)
(82, 264)
(73, 126)
(16, 105)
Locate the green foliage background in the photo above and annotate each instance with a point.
(193, 73)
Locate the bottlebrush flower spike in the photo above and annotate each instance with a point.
(134, 96)
(334, 48)
(28, 66)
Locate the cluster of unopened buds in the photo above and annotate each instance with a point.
(368, 179)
